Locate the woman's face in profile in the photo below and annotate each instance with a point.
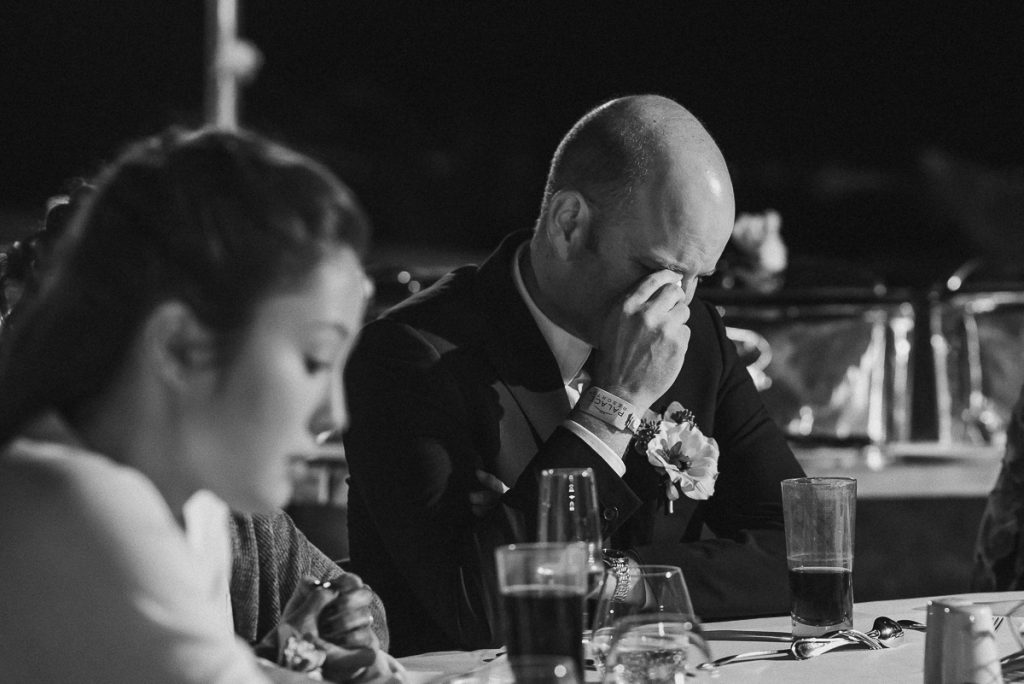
(281, 389)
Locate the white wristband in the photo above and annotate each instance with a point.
(607, 407)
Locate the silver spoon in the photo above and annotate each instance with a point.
(912, 624)
(806, 647)
(886, 629)
(921, 627)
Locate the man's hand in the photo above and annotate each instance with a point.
(483, 500)
(644, 342)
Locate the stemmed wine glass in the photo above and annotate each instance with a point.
(658, 591)
(568, 512)
(657, 648)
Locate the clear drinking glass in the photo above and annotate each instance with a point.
(819, 514)
(568, 512)
(1013, 614)
(657, 648)
(643, 590)
(542, 587)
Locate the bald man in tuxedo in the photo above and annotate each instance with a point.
(546, 356)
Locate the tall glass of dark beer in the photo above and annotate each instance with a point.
(819, 517)
(542, 587)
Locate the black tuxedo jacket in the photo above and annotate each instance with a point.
(459, 378)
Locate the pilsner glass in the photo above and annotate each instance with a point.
(542, 587)
(568, 512)
(819, 515)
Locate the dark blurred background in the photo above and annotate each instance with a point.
(888, 135)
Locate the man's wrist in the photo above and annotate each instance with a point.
(618, 413)
(617, 564)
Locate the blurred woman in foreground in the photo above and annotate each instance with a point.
(185, 346)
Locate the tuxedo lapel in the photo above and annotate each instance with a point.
(529, 383)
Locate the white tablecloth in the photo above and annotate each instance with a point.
(902, 664)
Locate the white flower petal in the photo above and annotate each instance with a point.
(672, 409)
(685, 456)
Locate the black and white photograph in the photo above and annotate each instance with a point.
(493, 341)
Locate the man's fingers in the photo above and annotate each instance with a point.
(483, 498)
(481, 501)
(672, 299)
(491, 482)
(343, 664)
(655, 283)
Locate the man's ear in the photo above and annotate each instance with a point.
(570, 219)
(176, 345)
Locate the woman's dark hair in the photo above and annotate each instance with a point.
(213, 219)
(24, 260)
(15, 265)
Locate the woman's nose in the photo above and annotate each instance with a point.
(330, 418)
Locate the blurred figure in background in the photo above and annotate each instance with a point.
(184, 345)
(999, 553)
(756, 256)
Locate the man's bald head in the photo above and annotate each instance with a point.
(611, 151)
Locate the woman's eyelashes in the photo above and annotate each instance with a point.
(315, 365)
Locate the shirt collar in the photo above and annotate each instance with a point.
(570, 351)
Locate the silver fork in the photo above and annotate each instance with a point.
(806, 647)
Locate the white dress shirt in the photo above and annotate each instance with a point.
(571, 354)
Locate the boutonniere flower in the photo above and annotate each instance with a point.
(675, 446)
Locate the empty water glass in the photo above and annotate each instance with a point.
(640, 590)
(657, 648)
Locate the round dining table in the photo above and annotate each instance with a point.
(902, 663)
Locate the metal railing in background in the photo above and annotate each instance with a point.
(833, 369)
(231, 62)
(977, 340)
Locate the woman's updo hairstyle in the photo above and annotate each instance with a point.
(24, 261)
(214, 219)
